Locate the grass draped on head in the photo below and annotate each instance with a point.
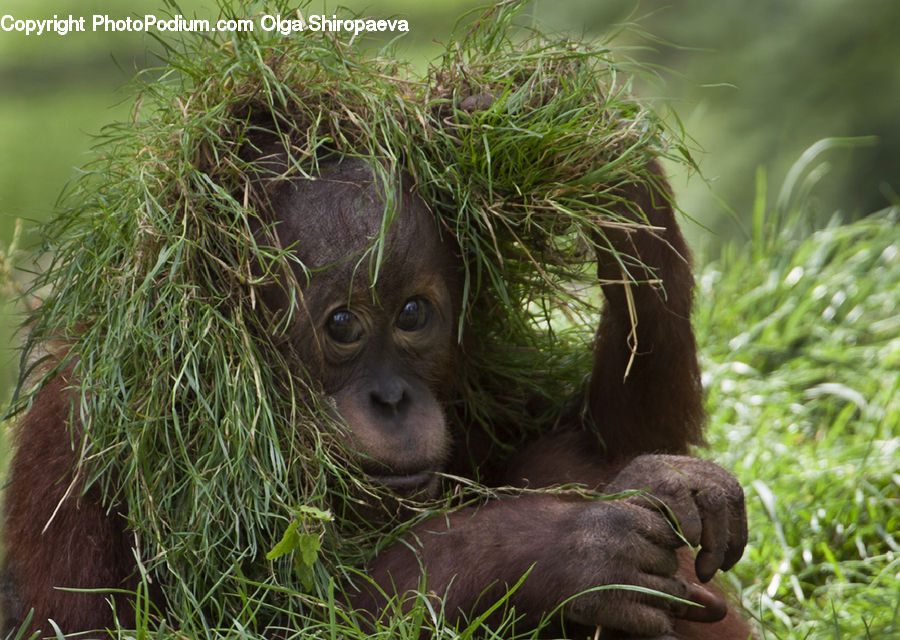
(198, 424)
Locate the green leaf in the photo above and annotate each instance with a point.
(314, 513)
(309, 545)
(288, 543)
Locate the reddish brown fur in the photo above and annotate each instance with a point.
(83, 546)
(658, 407)
(475, 553)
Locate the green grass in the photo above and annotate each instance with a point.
(801, 337)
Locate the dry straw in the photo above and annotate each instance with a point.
(198, 423)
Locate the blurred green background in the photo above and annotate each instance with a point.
(754, 84)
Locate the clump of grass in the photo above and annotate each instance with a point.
(197, 424)
(802, 360)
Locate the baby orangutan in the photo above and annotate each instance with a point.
(387, 354)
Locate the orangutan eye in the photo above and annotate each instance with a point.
(344, 327)
(414, 315)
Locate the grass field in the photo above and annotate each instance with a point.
(801, 336)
